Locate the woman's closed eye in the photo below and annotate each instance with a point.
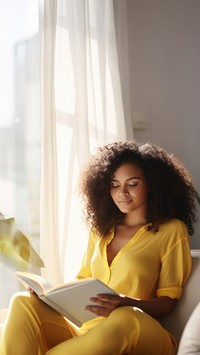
(114, 186)
(133, 184)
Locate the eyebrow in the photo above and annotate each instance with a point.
(131, 178)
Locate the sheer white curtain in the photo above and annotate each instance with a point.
(82, 109)
(19, 128)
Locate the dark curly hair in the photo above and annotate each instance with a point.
(171, 191)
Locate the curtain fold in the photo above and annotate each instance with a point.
(120, 12)
(49, 176)
(82, 109)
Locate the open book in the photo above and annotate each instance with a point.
(68, 299)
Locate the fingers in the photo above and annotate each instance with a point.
(105, 301)
(117, 300)
(99, 311)
(31, 290)
(105, 304)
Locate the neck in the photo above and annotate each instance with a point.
(133, 221)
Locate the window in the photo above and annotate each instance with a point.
(20, 119)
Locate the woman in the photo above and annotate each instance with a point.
(140, 206)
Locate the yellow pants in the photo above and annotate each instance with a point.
(33, 328)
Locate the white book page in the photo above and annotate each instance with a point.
(73, 300)
(36, 282)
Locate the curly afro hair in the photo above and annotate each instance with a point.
(171, 191)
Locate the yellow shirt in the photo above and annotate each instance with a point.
(148, 266)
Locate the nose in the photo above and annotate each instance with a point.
(124, 190)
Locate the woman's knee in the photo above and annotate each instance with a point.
(124, 315)
(18, 299)
(125, 321)
(142, 333)
(23, 305)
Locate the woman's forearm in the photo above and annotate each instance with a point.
(157, 307)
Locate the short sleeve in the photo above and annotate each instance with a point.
(85, 270)
(175, 269)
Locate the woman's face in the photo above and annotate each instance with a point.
(129, 189)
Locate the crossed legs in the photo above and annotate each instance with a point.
(33, 327)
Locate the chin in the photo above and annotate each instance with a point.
(125, 210)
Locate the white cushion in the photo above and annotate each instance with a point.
(190, 340)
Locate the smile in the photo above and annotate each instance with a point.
(125, 202)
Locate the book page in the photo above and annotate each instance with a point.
(36, 282)
(71, 301)
(42, 286)
(73, 283)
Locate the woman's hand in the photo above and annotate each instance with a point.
(106, 303)
(32, 291)
(155, 307)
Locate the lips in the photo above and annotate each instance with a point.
(125, 202)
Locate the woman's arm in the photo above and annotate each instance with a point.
(157, 307)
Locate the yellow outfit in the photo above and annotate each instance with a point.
(148, 266)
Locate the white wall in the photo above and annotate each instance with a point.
(164, 54)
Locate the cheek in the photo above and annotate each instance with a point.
(140, 194)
